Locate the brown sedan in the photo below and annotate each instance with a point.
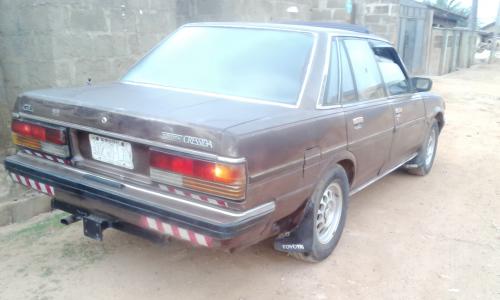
(226, 134)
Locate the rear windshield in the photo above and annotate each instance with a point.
(251, 63)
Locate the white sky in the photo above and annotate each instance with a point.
(487, 10)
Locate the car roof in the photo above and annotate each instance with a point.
(332, 25)
(312, 27)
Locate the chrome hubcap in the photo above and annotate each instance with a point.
(329, 213)
(431, 146)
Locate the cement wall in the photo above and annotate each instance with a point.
(241, 10)
(381, 17)
(4, 116)
(450, 50)
(59, 43)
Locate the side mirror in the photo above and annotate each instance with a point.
(421, 84)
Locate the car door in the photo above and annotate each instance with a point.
(368, 112)
(408, 107)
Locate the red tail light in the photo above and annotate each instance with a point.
(48, 139)
(205, 170)
(43, 134)
(225, 180)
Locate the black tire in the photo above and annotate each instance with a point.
(420, 165)
(321, 250)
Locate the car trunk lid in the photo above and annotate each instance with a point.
(157, 115)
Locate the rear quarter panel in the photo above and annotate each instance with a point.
(287, 154)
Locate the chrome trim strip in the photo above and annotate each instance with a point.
(307, 76)
(326, 71)
(263, 209)
(358, 189)
(349, 34)
(382, 100)
(120, 136)
(257, 211)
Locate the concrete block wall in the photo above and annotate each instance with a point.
(4, 116)
(450, 50)
(327, 10)
(381, 17)
(241, 10)
(59, 43)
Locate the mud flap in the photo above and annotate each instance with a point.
(300, 239)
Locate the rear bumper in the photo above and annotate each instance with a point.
(166, 214)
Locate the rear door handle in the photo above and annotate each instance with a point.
(358, 122)
(398, 110)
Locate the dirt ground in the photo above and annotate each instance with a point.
(407, 237)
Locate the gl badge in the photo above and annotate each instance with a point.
(28, 108)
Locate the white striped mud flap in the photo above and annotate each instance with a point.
(194, 238)
(34, 184)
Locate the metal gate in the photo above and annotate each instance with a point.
(415, 26)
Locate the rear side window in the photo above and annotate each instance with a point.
(394, 77)
(332, 85)
(364, 66)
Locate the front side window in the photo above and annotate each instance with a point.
(394, 77)
(253, 63)
(364, 66)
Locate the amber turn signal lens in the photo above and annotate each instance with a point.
(25, 141)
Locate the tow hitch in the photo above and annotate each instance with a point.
(93, 226)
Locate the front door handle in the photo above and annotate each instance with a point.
(398, 110)
(358, 122)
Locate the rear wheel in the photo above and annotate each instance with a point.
(330, 209)
(422, 164)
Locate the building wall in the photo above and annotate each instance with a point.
(327, 10)
(4, 116)
(241, 10)
(381, 17)
(59, 43)
(450, 50)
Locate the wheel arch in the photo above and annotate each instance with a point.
(440, 119)
(343, 158)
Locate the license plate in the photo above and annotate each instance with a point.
(111, 151)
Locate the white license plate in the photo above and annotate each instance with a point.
(111, 151)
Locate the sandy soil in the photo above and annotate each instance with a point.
(434, 237)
